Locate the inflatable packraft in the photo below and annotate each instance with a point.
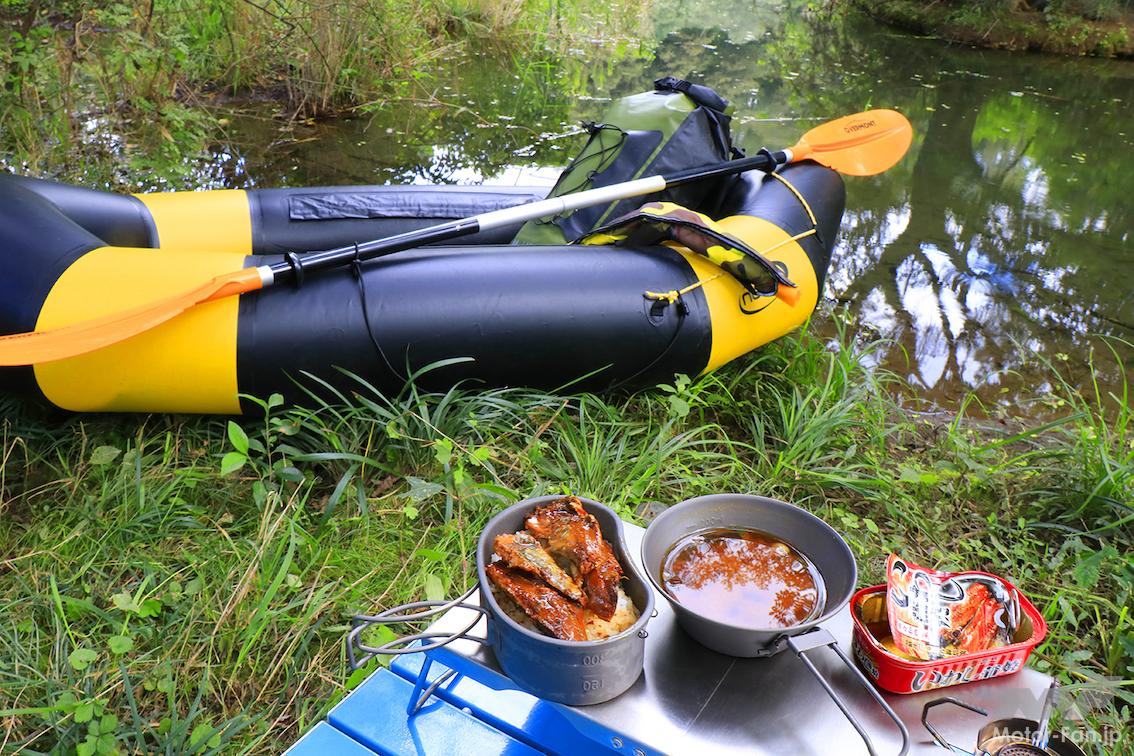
(514, 306)
(492, 313)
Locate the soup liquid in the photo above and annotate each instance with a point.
(743, 577)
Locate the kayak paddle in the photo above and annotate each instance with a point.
(862, 144)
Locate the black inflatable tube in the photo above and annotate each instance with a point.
(525, 318)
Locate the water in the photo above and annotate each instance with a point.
(1002, 241)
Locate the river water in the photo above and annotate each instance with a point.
(997, 253)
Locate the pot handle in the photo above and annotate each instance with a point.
(818, 637)
(359, 653)
(933, 730)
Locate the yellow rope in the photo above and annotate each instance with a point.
(789, 240)
(798, 196)
(673, 295)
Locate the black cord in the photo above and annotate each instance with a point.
(682, 312)
(605, 151)
(356, 268)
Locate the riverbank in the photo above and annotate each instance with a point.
(1096, 27)
(178, 584)
(134, 93)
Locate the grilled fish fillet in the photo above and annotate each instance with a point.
(523, 552)
(572, 534)
(553, 611)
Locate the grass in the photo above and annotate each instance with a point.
(179, 584)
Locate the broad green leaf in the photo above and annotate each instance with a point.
(443, 450)
(125, 602)
(238, 438)
(120, 644)
(232, 462)
(434, 589)
(420, 490)
(84, 712)
(151, 607)
(203, 738)
(81, 658)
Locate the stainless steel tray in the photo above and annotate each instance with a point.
(690, 700)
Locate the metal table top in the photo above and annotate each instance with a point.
(693, 700)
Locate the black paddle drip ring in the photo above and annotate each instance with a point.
(771, 159)
(295, 262)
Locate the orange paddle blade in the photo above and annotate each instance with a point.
(862, 144)
(66, 341)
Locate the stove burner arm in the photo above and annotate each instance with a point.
(933, 730)
(801, 644)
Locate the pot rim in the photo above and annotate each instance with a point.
(628, 567)
(830, 608)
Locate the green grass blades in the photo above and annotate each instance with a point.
(183, 585)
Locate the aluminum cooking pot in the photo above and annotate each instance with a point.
(570, 672)
(806, 533)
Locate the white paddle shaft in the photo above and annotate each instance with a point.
(568, 202)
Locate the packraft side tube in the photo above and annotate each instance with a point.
(273, 221)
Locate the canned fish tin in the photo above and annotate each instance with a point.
(872, 643)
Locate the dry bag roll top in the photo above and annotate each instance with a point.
(677, 125)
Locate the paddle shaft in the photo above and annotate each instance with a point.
(299, 265)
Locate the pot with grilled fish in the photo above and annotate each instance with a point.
(565, 604)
